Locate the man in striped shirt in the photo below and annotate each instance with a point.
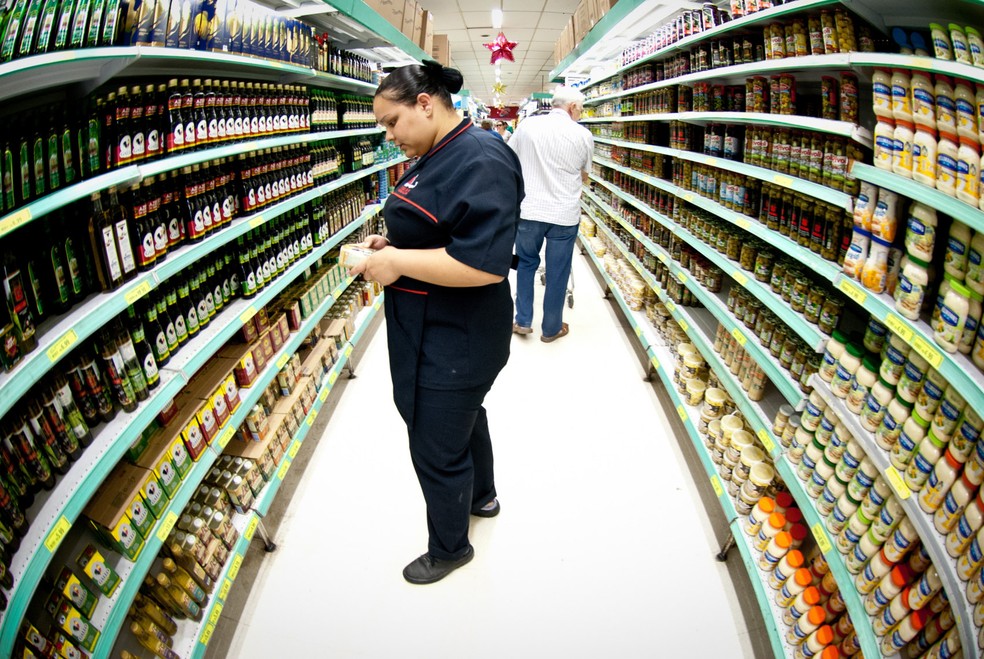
(555, 153)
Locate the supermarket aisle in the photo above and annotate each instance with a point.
(601, 549)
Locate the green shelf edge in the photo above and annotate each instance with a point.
(963, 611)
(717, 31)
(958, 369)
(596, 34)
(727, 505)
(815, 190)
(271, 489)
(37, 364)
(907, 187)
(822, 267)
(153, 542)
(779, 378)
(795, 321)
(20, 596)
(364, 15)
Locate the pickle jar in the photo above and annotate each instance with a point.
(814, 304)
(747, 257)
(763, 265)
(830, 315)
(801, 288)
(778, 276)
(788, 351)
(778, 339)
(734, 247)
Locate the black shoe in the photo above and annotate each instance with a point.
(427, 569)
(491, 509)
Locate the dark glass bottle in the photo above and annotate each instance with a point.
(32, 460)
(176, 314)
(78, 392)
(44, 439)
(61, 426)
(175, 119)
(138, 124)
(148, 327)
(18, 305)
(166, 322)
(97, 387)
(201, 120)
(115, 374)
(188, 114)
(54, 270)
(75, 412)
(135, 352)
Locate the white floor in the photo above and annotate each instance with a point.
(602, 548)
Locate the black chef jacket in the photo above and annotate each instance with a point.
(463, 195)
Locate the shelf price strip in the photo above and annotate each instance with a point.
(823, 542)
(898, 484)
(57, 534)
(62, 345)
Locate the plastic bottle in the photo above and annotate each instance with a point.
(946, 105)
(977, 354)
(891, 426)
(931, 395)
(968, 174)
(965, 439)
(971, 324)
(913, 432)
(887, 520)
(974, 272)
(959, 44)
(976, 45)
(946, 163)
(901, 95)
(856, 527)
(940, 481)
(928, 453)
(770, 529)
(889, 586)
(847, 365)
(901, 540)
(954, 504)
(884, 143)
(801, 604)
(881, 83)
(958, 241)
(953, 315)
(941, 41)
(972, 559)
(975, 593)
(874, 272)
(947, 417)
(913, 374)
(925, 589)
(892, 614)
(903, 137)
(805, 625)
(874, 571)
(965, 102)
(924, 162)
(791, 588)
(785, 568)
(876, 404)
(911, 289)
(869, 488)
(816, 644)
(832, 353)
(864, 379)
(894, 357)
(904, 632)
(966, 528)
(923, 100)
(775, 550)
(839, 516)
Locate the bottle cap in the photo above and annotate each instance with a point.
(803, 577)
(816, 615)
(812, 596)
(825, 635)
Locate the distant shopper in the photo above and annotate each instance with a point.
(555, 152)
(502, 129)
(451, 222)
(487, 125)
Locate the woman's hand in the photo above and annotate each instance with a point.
(374, 241)
(380, 267)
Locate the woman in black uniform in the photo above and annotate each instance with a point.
(451, 222)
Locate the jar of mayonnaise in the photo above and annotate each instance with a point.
(876, 404)
(923, 100)
(911, 289)
(902, 147)
(954, 503)
(920, 232)
(976, 45)
(953, 315)
(955, 261)
(974, 279)
(946, 105)
(924, 155)
(946, 163)
(891, 426)
(965, 101)
(940, 481)
(884, 143)
(928, 453)
(881, 84)
(947, 417)
(968, 174)
(941, 41)
(864, 379)
(901, 95)
(958, 41)
(913, 374)
(847, 365)
(832, 353)
(913, 432)
(893, 359)
(972, 323)
(931, 394)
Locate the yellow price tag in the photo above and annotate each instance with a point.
(895, 478)
(293, 449)
(226, 436)
(251, 527)
(766, 440)
(237, 563)
(684, 325)
(224, 591)
(61, 346)
(688, 197)
(348, 350)
(283, 469)
(655, 363)
(852, 290)
(137, 292)
(923, 63)
(716, 484)
(927, 351)
(311, 417)
(670, 306)
(282, 361)
(11, 222)
(256, 221)
(57, 534)
(247, 315)
(739, 277)
(743, 223)
(713, 162)
(820, 534)
(206, 634)
(324, 394)
(784, 181)
(638, 331)
(899, 326)
(682, 412)
(332, 377)
(682, 276)
(216, 613)
(165, 529)
(739, 336)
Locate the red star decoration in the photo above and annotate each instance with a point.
(501, 48)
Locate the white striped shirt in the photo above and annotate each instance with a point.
(553, 150)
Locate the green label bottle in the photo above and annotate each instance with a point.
(49, 12)
(80, 23)
(95, 23)
(111, 23)
(24, 167)
(31, 18)
(63, 26)
(68, 155)
(38, 162)
(54, 157)
(9, 198)
(12, 31)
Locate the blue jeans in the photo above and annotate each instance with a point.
(560, 247)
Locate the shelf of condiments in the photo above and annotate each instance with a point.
(142, 122)
(110, 239)
(33, 27)
(932, 252)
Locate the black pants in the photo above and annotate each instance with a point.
(452, 455)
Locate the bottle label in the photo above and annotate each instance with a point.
(126, 254)
(109, 249)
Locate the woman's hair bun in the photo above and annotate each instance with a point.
(444, 76)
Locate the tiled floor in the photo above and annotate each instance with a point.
(603, 547)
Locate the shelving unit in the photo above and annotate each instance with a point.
(933, 541)
(192, 638)
(700, 328)
(53, 518)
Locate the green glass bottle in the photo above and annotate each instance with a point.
(29, 33)
(12, 30)
(49, 12)
(9, 176)
(63, 25)
(80, 24)
(53, 170)
(95, 23)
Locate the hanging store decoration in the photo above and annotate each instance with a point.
(499, 88)
(501, 48)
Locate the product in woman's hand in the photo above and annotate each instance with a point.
(352, 255)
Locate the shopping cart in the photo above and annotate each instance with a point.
(542, 271)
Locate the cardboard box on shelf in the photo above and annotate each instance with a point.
(243, 362)
(441, 51)
(410, 9)
(391, 10)
(108, 507)
(426, 38)
(583, 19)
(566, 39)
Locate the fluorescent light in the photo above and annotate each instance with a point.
(497, 18)
(307, 10)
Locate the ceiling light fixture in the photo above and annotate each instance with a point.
(497, 18)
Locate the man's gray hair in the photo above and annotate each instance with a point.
(564, 96)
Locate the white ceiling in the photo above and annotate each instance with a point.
(534, 24)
